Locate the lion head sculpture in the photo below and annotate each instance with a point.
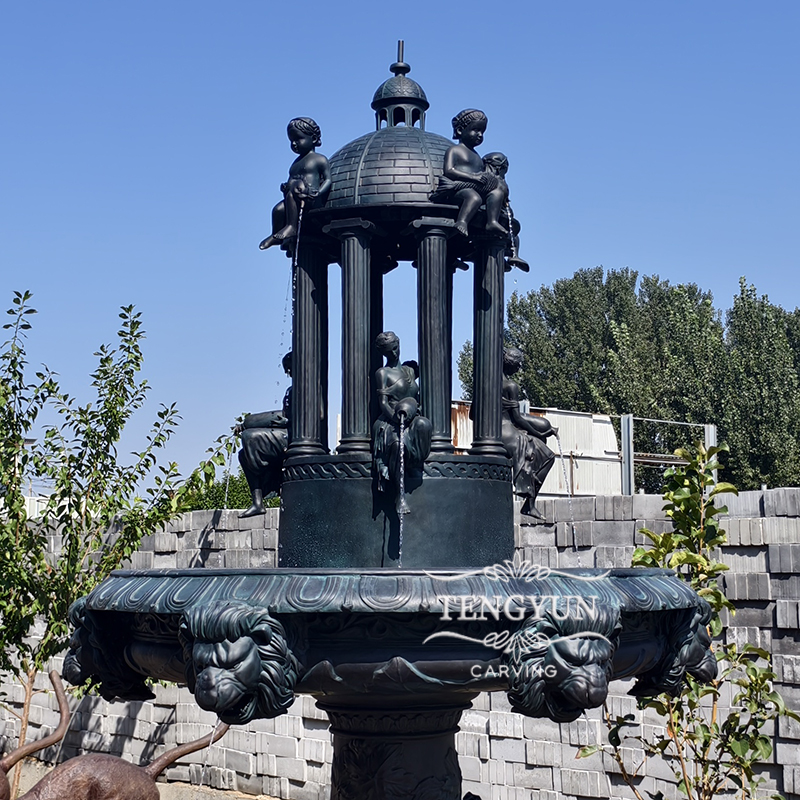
(687, 650)
(559, 667)
(237, 662)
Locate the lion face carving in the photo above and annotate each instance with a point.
(562, 665)
(237, 662)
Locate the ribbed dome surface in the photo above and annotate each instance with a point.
(398, 87)
(393, 165)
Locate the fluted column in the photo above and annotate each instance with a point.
(488, 363)
(355, 235)
(434, 333)
(309, 341)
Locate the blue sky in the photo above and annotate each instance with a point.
(144, 144)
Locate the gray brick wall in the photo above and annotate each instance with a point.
(503, 755)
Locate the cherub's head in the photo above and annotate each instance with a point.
(469, 126)
(304, 134)
(497, 163)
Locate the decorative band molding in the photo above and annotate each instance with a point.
(343, 470)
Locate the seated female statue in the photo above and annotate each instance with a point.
(265, 440)
(524, 437)
(398, 391)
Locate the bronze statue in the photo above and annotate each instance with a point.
(237, 661)
(466, 178)
(398, 394)
(497, 164)
(309, 181)
(265, 440)
(524, 437)
(96, 776)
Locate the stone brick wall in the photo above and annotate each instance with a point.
(503, 755)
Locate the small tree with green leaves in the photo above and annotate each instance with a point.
(96, 505)
(712, 749)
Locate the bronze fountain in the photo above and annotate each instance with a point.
(397, 598)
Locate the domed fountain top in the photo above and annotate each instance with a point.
(399, 162)
(399, 89)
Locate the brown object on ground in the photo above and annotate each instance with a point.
(97, 776)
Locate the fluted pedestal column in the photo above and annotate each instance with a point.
(355, 235)
(399, 751)
(309, 353)
(488, 363)
(434, 288)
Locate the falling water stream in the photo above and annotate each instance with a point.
(208, 752)
(402, 507)
(569, 499)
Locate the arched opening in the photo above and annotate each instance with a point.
(399, 116)
(416, 115)
(382, 119)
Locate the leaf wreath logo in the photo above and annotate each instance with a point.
(517, 569)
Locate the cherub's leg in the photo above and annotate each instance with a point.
(278, 222)
(292, 214)
(494, 205)
(470, 203)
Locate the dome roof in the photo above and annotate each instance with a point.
(398, 88)
(393, 165)
(400, 162)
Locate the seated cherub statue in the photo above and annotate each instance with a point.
(309, 181)
(466, 178)
(497, 164)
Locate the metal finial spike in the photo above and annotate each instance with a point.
(400, 67)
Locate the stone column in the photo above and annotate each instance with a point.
(376, 327)
(434, 330)
(488, 348)
(309, 356)
(355, 235)
(401, 751)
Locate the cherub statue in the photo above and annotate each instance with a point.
(398, 391)
(466, 178)
(309, 181)
(497, 164)
(265, 440)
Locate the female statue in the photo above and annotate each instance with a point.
(524, 437)
(398, 391)
(265, 440)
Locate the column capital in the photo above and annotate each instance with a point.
(426, 225)
(355, 226)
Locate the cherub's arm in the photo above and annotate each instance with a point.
(324, 176)
(452, 171)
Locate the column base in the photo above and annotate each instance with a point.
(395, 752)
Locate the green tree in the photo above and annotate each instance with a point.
(614, 344)
(760, 409)
(96, 506)
(229, 491)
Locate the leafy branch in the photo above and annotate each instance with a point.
(710, 748)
